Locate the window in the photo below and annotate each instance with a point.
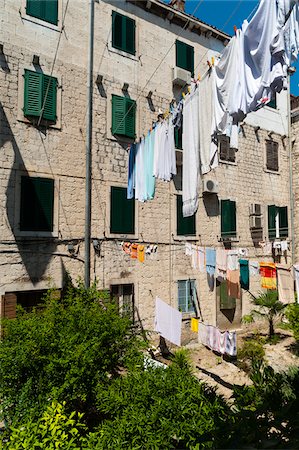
(124, 295)
(273, 102)
(46, 10)
(123, 116)
(37, 203)
(185, 225)
(226, 302)
(186, 296)
(40, 95)
(123, 33)
(277, 222)
(184, 56)
(226, 152)
(228, 219)
(272, 155)
(178, 135)
(122, 212)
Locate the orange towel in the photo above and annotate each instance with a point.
(134, 248)
(268, 275)
(140, 252)
(127, 248)
(233, 283)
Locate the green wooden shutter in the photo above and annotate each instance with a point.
(186, 295)
(45, 197)
(185, 56)
(117, 30)
(283, 221)
(32, 93)
(228, 218)
(185, 225)
(130, 35)
(130, 117)
(51, 11)
(272, 211)
(273, 102)
(37, 203)
(226, 302)
(34, 8)
(118, 114)
(122, 212)
(49, 97)
(178, 138)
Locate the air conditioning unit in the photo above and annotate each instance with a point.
(255, 209)
(181, 77)
(210, 187)
(255, 222)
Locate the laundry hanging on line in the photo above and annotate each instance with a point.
(224, 342)
(168, 322)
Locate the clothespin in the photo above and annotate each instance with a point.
(199, 77)
(189, 89)
(235, 29)
(213, 60)
(209, 64)
(183, 94)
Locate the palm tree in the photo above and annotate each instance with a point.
(269, 307)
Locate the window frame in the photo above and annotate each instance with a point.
(178, 235)
(187, 310)
(126, 101)
(279, 231)
(231, 234)
(125, 19)
(43, 88)
(116, 233)
(56, 28)
(182, 44)
(275, 157)
(40, 234)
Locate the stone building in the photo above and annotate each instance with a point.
(42, 189)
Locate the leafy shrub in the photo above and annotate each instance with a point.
(292, 314)
(251, 350)
(54, 430)
(62, 352)
(161, 409)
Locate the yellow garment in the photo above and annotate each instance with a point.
(194, 325)
(268, 283)
(140, 252)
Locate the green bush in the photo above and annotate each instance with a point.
(292, 314)
(161, 409)
(54, 430)
(251, 350)
(62, 353)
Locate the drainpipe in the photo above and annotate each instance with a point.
(89, 147)
(290, 72)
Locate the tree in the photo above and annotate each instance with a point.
(270, 308)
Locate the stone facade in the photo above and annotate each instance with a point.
(35, 262)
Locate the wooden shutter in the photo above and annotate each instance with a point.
(130, 115)
(51, 11)
(185, 225)
(228, 218)
(37, 204)
(226, 152)
(122, 212)
(34, 8)
(272, 155)
(129, 35)
(185, 56)
(117, 30)
(178, 138)
(272, 211)
(32, 93)
(226, 302)
(9, 306)
(283, 221)
(118, 114)
(49, 97)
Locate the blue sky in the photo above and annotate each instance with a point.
(224, 14)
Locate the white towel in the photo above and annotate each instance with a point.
(168, 322)
(254, 268)
(201, 259)
(233, 260)
(190, 155)
(296, 276)
(285, 284)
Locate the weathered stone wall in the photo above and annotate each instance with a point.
(59, 153)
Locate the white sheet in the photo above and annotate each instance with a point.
(168, 322)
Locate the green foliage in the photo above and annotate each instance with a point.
(161, 409)
(251, 350)
(292, 314)
(62, 352)
(54, 430)
(267, 411)
(269, 308)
